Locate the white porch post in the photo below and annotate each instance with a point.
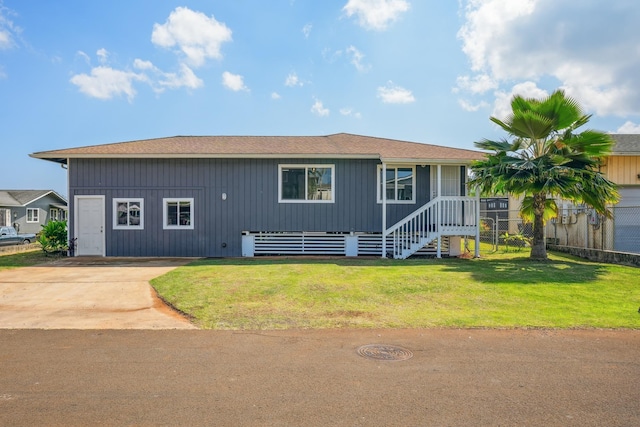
(383, 189)
(438, 213)
(477, 251)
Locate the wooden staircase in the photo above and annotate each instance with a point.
(442, 216)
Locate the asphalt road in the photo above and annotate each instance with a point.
(318, 378)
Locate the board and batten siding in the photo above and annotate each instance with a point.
(251, 189)
(623, 170)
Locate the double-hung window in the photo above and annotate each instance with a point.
(33, 215)
(306, 183)
(177, 214)
(399, 184)
(128, 214)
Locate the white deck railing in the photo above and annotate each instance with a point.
(442, 216)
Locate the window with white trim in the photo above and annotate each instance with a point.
(400, 184)
(177, 214)
(128, 214)
(306, 183)
(53, 214)
(33, 215)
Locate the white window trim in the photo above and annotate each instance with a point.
(413, 183)
(165, 226)
(53, 214)
(36, 215)
(117, 226)
(307, 166)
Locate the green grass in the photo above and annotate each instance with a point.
(22, 258)
(501, 290)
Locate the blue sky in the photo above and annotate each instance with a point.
(80, 72)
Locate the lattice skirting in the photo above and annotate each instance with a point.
(338, 244)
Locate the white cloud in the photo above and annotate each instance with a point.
(318, 109)
(356, 58)
(234, 82)
(105, 83)
(469, 106)
(629, 127)
(393, 94)
(84, 56)
(293, 80)
(163, 80)
(306, 30)
(197, 36)
(186, 78)
(502, 106)
(349, 112)
(8, 30)
(103, 55)
(143, 65)
(375, 14)
(545, 40)
(477, 85)
(275, 95)
(5, 39)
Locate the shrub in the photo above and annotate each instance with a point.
(53, 237)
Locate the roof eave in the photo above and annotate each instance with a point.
(426, 161)
(210, 156)
(55, 159)
(625, 153)
(414, 160)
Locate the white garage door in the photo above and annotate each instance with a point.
(627, 221)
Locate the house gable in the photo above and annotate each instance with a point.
(623, 165)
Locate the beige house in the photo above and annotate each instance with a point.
(581, 227)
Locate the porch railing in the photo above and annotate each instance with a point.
(442, 216)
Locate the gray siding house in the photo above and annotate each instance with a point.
(230, 196)
(28, 210)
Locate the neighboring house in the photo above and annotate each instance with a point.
(28, 210)
(229, 196)
(581, 227)
(623, 168)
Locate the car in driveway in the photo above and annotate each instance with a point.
(9, 236)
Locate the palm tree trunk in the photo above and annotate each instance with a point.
(538, 247)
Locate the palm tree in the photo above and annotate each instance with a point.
(545, 158)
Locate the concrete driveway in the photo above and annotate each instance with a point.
(88, 293)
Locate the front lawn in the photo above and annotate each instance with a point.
(503, 290)
(20, 256)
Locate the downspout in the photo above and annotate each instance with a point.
(70, 250)
(383, 190)
(438, 192)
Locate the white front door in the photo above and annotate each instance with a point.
(89, 225)
(449, 186)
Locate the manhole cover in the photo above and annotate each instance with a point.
(384, 352)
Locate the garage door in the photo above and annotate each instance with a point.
(627, 221)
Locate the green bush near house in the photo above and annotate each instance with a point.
(53, 237)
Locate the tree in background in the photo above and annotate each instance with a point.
(544, 158)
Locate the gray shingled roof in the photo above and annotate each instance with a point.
(23, 197)
(340, 145)
(626, 144)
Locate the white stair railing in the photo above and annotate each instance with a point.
(441, 216)
(414, 231)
